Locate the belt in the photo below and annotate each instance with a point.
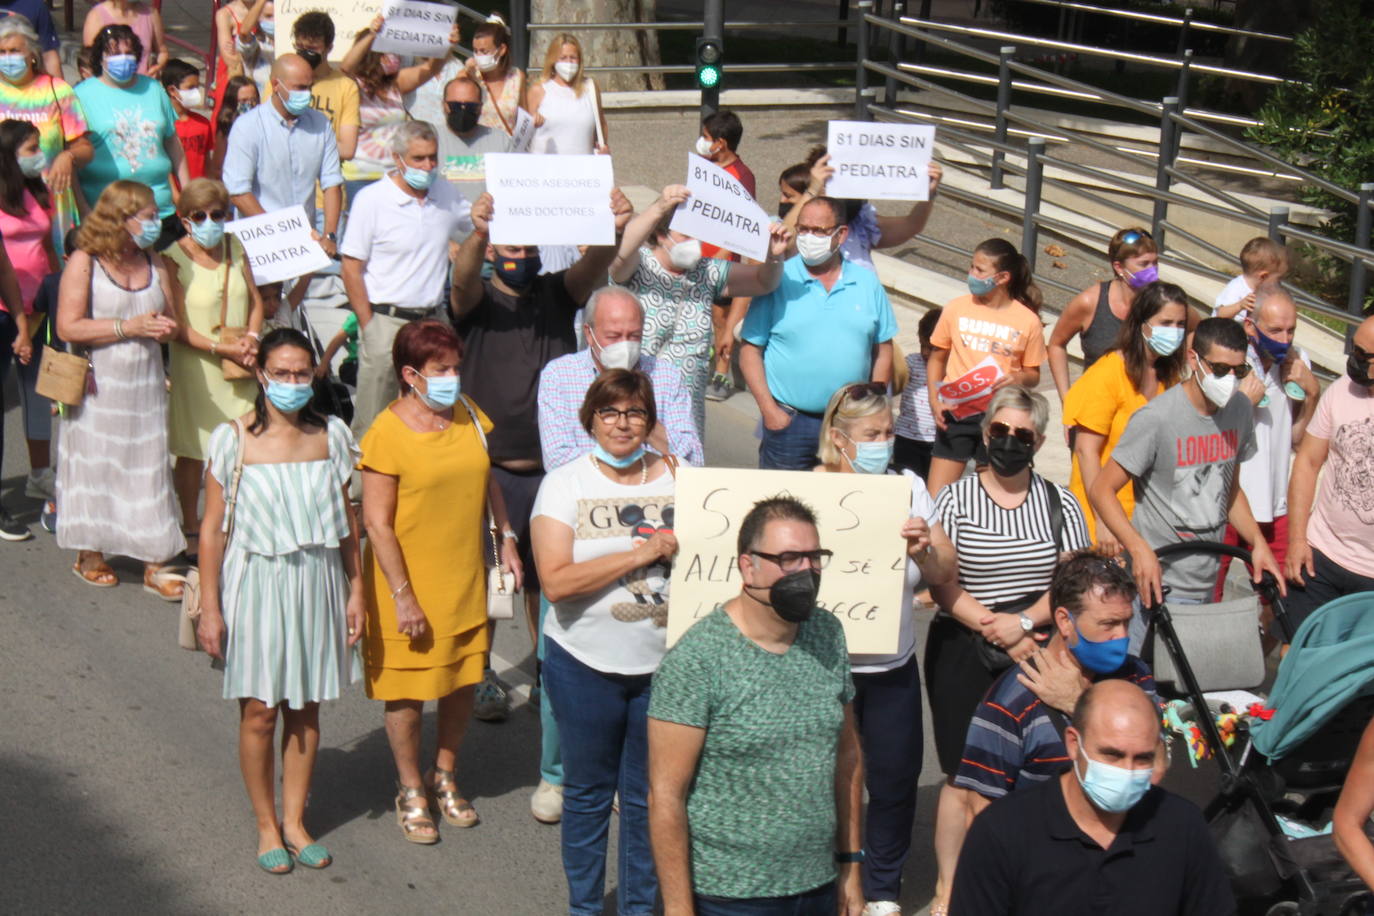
(814, 416)
(395, 311)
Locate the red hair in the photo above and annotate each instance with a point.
(421, 341)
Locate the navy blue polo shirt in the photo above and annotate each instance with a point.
(36, 11)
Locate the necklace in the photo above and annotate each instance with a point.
(643, 468)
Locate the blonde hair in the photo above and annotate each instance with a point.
(555, 51)
(103, 235)
(1262, 253)
(850, 403)
(202, 194)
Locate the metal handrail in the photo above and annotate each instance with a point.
(1161, 19)
(678, 25)
(734, 68)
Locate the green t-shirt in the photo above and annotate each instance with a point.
(761, 810)
(350, 329)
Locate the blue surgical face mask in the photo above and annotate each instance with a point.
(149, 230)
(33, 166)
(871, 457)
(981, 286)
(268, 26)
(442, 391)
(1102, 657)
(296, 101)
(607, 458)
(121, 67)
(1112, 788)
(419, 179)
(13, 66)
(1165, 340)
(288, 398)
(207, 233)
(1274, 349)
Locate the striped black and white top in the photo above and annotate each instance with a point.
(1006, 554)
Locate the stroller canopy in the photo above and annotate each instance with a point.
(1330, 663)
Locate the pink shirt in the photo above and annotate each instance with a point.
(1342, 523)
(142, 26)
(24, 237)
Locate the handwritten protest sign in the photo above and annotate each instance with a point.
(349, 16)
(721, 212)
(860, 518)
(879, 161)
(412, 27)
(971, 392)
(524, 131)
(279, 245)
(550, 200)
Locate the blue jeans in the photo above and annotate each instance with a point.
(603, 727)
(819, 902)
(550, 758)
(792, 448)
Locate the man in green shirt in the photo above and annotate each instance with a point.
(755, 776)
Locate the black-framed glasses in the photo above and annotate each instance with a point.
(1135, 235)
(999, 430)
(1221, 370)
(793, 559)
(199, 216)
(635, 416)
(1359, 355)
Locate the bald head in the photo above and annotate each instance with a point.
(1116, 707)
(1364, 335)
(1274, 305)
(292, 72)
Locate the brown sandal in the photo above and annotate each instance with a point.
(98, 574)
(414, 818)
(443, 789)
(166, 585)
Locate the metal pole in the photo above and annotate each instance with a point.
(1358, 272)
(1183, 73)
(520, 31)
(1278, 219)
(1003, 102)
(1035, 170)
(861, 59)
(713, 27)
(1183, 32)
(1167, 152)
(890, 85)
(844, 15)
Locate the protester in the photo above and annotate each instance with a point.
(613, 325)
(182, 82)
(142, 19)
(47, 44)
(828, 323)
(427, 492)
(464, 142)
(15, 341)
(240, 97)
(279, 151)
(503, 84)
(666, 270)
(396, 258)
(1330, 537)
(998, 322)
(116, 301)
(1096, 315)
(1181, 451)
(566, 104)
(1353, 808)
(915, 426)
(212, 292)
(49, 104)
(1147, 357)
(752, 722)
(132, 129)
(281, 586)
(1099, 838)
(856, 437)
(604, 633)
(1009, 526)
(247, 45)
(1263, 262)
(332, 93)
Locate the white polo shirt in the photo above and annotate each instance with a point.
(403, 241)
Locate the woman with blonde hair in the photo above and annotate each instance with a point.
(212, 292)
(567, 103)
(114, 483)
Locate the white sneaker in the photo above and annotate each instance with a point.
(546, 804)
(41, 484)
(882, 908)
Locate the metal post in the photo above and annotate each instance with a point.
(1167, 152)
(1183, 73)
(1358, 272)
(890, 85)
(920, 53)
(520, 31)
(844, 14)
(1183, 32)
(861, 60)
(1035, 171)
(1003, 102)
(1278, 219)
(712, 27)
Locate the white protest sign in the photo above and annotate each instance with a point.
(278, 244)
(550, 200)
(523, 133)
(860, 518)
(721, 212)
(412, 27)
(349, 17)
(879, 161)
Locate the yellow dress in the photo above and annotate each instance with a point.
(441, 480)
(201, 399)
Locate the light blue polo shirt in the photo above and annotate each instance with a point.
(815, 341)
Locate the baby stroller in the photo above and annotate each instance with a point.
(1285, 772)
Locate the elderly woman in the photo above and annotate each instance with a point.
(607, 582)
(133, 128)
(1009, 527)
(114, 484)
(857, 438)
(212, 291)
(427, 495)
(282, 582)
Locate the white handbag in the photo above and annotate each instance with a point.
(502, 595)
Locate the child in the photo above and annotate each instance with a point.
(915, 425)
(182, 82)
(348, 339)
(719, 140)
(1262, 260)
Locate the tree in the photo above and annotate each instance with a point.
(602, 47)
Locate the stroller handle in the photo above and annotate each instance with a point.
(1268, 587)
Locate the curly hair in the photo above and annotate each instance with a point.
(103, 234)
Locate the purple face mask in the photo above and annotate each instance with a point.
(1142, 277)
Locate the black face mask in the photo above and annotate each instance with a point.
(785, 208)
(1009, 456)
(517, 273)
(793, 597)
(1357, 370)
(312, 58)
(461, 117)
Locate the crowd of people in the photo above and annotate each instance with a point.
(519, 414)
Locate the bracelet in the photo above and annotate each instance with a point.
(404, 585)
(509, 534)
(213, 345)
(119, 329)
(254, 335)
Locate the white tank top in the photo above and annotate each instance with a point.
(569, 120)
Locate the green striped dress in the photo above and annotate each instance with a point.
(282, 584)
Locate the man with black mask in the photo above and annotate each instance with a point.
(751, 721)
(464, 142)
(513, 324)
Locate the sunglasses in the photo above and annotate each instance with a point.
(1222, 370)
(1000, 430)
(455, 107)
(861, 390)
(1135, 235)
(199, 216)
(1360, 356)
(793, 559)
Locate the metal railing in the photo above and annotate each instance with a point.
(1184, 23)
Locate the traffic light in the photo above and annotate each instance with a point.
(710, 60)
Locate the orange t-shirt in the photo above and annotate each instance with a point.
(1012, 335)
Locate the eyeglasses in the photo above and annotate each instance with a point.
(1135, 235)
(304, 377)
(794, 559)
(1221, 370)
(455, 107)
(636, 416)
(818, 231)
(1000, 430)
(199, 216)
(1359, 355)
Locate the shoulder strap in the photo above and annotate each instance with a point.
(231, 502)
(476, 424)
(224, 291)
(1056, 512)
(495, 102)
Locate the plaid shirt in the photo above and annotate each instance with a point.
(563, 385)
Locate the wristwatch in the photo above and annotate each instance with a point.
(1026, 623)
(510, 534)
(846, 858)
(333, 237)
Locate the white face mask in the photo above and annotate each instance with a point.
(704, 147)
(192, 98)
(567, 69)
(1216, 390)
(623, 354)
(685, 255)
(487, 62)
(814, 249)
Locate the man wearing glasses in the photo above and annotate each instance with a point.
(755, 776)
(1182, 450)
(829, 323)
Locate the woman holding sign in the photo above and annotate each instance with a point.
(603, 541)
(857, 437)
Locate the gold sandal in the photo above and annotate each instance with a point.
(443, 789)
(413, 818)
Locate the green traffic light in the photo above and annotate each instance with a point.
(708, 77)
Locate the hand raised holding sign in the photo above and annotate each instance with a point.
(672, 195)
(820, 174)
(779, 240)
(622, 208)
(481, 214)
